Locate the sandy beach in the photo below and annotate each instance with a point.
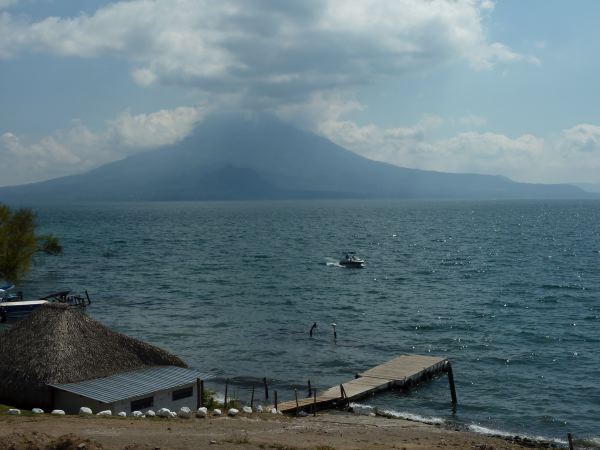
(264, 431)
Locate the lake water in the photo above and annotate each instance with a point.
(509, 291)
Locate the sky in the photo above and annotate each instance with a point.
(505, 87)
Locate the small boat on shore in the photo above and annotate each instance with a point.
(351, 260)
(13, 307)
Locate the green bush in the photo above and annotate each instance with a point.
(19, 242)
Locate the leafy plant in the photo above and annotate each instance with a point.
(19, 242)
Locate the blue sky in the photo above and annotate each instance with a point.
(496, 87)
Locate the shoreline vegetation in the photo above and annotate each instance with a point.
(328, 430)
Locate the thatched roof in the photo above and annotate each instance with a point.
(59, 344)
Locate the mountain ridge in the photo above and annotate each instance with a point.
(240, 158)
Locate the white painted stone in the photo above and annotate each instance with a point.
(85, 410)
(173, 414)
(122, 414)
(150, 413)
(137, 414)
(163, 412)
(14, 411)
(216, 412)
(232, 412)
(247, 410)
(105, 413)
(58, 412)
(259, 408)
(185, 412)
(202, 412)
(273, 411)
(37, 411)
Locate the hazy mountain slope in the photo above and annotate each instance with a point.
(229, 157)
(589, 187)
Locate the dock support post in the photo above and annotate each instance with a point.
(570, 438)
(252, 398)
(275, 400)
(226, 385)
(199, 392)
(266, 388)
(343, 395)
(451, 383)
(315, 403)
(296, 396)
(309, 390)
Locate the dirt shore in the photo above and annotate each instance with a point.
(264, 431)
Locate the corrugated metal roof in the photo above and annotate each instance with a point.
(133, 384)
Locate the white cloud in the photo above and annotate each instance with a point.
(270, 49)
(582, 139)
(574, 156)
(487, 4)
(7, 3)
(320, 108)
(78, 148)
(472, 121)
(155, 129)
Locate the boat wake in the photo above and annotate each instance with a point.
(332, 262)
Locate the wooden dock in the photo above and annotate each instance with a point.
(402, 372)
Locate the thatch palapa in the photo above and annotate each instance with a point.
(59, 344)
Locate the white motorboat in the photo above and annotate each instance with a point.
(351, 260)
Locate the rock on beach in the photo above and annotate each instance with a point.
(164, 412)
(185, 412)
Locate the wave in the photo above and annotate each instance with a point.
(573, 287)
(362, 409)
(359, 408)
(593, 442)
(507, 435)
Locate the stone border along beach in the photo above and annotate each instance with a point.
(237, 429)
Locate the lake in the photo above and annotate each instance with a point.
(509, 291)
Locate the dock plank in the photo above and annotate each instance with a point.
(381, 377)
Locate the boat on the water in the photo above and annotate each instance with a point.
(13, 307)
(351, 260)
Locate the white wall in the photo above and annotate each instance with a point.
(71, 403)
(162, 399)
